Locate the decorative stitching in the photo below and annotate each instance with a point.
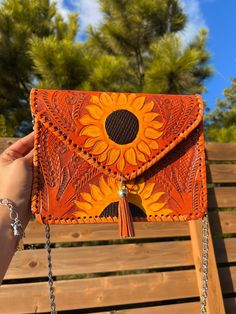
(90, 158)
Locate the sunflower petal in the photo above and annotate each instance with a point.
(150, 116)
(156, 206)
(121, 101)
(131, 97)
(86, 120)
(106, 190)
(95, 111)
(96, 192)
(83, 205)
(141, 157)
(141, 187)
(144, 148)
(121, 164)
(102, 157)
(95, 100)
(154, 145)
(138, 102)
(147, 191)
(90, 130)
(86, 196)
(114, 97)
(152, 133)
(148, 107)
(130, 156)
(99, 148)
(111, 182)
(90, 142)
(106, 100)
(155, 197)
(156, 124)
(113, 155)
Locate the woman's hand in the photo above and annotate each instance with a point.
(16, 175)
(15, 184)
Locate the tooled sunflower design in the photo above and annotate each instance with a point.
(120, 129)
(141, 194)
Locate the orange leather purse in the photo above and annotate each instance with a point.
(103, 157)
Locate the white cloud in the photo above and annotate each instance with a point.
(62, 8)
(90, 14)
(195, 19)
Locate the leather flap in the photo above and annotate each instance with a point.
(121, 134)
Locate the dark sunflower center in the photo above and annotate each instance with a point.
(122, 126)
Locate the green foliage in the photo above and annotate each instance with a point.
(136, 48)
(36, 47)
(146, 34)
(60, 64)
(173, 69)
(19, 20)
(221, 123)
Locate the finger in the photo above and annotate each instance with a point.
(20, 148)
(29, 157)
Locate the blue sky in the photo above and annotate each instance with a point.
(218, 16)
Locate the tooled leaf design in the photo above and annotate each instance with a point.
(57, 115)
(45, 162)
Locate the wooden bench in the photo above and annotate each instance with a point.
(158, 272)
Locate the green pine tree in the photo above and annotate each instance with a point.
(145, 35)
(221, 123)
(37, 47)
(19, 20)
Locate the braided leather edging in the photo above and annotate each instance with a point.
(92, 159)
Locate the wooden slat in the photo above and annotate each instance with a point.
(99, 292)
(221, 173)
(225, 250)
(182, 308)
(109, 258)
(221, 151)
(108, 291)
(222, 197)
(98, 232)
(221, 222)
(215, 303)
(6, 141)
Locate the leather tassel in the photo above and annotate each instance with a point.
(126, 227)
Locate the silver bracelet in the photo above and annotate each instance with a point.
(16, 223)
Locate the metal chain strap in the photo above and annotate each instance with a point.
(204, 266)
(205, 249)
(50, 280)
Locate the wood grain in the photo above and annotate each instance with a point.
(221, 173)
(99, 292)
(221, 197)
(182, 308)
(220, 151)
(111, 258)
(109, 291)
(221, 222)
(97, 259)
(215, 302)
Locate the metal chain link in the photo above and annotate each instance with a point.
(205, 250)
(204, 266)
(50, 280)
